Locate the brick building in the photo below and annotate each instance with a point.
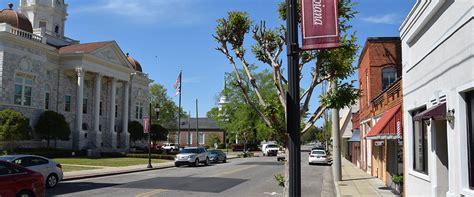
(379, 69)
(190, 136)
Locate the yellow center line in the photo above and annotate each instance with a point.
(148, 194)
(234, 171)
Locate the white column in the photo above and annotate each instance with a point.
(112, 134)
(125, 135)
(76, 137)
(98, 134)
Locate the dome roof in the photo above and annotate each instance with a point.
(136, 65)
(15, 19)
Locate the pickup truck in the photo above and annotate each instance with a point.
(269, 149)
(170, 147)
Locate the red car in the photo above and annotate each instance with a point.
(19, 181)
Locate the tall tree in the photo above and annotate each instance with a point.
(168, 108)
(158, 133)
(14, 126)
(135, 129)
(52, 126)
(326, 66)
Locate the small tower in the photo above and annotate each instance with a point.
(48, 14)
(223, 98)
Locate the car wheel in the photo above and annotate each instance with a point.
(51, 180)
(196, 163)
(225, 160)
(25, 193)
(207, 161)
(176, 165)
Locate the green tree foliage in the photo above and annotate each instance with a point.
(311, 135)
(327, 66)
(158, 133)
(168, 108)
(52, 126)
(13, 126)
(135, 129)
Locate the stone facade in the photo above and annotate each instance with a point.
(94, 85)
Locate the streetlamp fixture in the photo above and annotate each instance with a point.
(157, 113)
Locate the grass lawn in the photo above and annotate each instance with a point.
(68, 168)
(107, 162)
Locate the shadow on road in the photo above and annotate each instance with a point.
(194, 184)
(276, 163)
(67, 188)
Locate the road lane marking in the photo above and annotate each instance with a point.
(234, 171)
(272, 193)
(148, 194)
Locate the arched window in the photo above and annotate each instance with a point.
(56, 29)
(389, 75)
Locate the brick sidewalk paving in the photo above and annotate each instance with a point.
(356, 182)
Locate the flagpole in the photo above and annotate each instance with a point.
(197, 123)
(179, 105)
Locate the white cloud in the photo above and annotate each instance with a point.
(145, 11)
(391, 19)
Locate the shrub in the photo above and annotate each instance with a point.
(45, 152)
(221, 146)
(280, 179)
(112, 154)
(153, 156)
(397, 179)
(207, 146)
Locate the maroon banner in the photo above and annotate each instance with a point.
(146, 125)
(319, 22)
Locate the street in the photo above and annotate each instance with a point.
(239, 177)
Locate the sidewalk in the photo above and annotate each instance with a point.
(107, 171)
(356, 182)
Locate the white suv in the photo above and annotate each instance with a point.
(192, 156)
(170, 147)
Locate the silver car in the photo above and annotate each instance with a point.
(191, 156)
(51, 171)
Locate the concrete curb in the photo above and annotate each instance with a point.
(336, 187)
(78, 177)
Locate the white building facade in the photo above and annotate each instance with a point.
(438, 69)
(97, 87)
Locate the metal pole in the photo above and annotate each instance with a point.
(197, 123)
(149, 139)
(179, 105)
(293, 99)
(336, 149)
(190, 142)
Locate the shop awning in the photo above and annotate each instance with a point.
(437, 112)
(355, 136)
(389, 126)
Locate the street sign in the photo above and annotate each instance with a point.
(319, 19)
(146, 125)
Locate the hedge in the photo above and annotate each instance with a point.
(153, 156)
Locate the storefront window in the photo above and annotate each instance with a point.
(389, 75)
(420, 145)
(470, 136)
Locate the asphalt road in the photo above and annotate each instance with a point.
(239, 177)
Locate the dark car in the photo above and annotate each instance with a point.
(216, 156)
(19, 181)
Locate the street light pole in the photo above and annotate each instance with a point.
(149, 139)
(293, 118)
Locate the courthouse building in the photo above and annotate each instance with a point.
(96, 86)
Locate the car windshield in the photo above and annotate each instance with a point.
(318, 152)
(6, 158)
(214, 152)
(189, 150)
(272, 146)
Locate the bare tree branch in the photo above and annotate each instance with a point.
(315, 116)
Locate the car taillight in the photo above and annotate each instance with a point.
(59, 166)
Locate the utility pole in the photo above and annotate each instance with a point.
(336, 148)
(293, 118)
(197, 124)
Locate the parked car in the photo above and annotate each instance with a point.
(217, 155)
(51, 171)
(318, 157)
(269, 149)
(170, 147)
(19, 181)
(192, 156)
(281, 155)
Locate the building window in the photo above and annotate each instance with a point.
(100, 127)
(138, 110)
(116, 111)
(46, 100)
(56, 29)
(389, 75)
(42, 24)
(420, 144)
(100, 108)
(470, 136)
(190, 138)
(84, 106)
(67, 103)
(201, 138)
(23, 89)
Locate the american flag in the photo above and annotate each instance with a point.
(177, 85)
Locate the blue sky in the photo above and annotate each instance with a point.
(168, 35)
